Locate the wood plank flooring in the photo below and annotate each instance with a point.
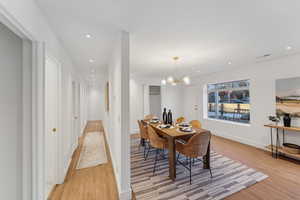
(95, 183)
(284, 176)
(98, 183)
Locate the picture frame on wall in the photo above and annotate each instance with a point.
(107, 97)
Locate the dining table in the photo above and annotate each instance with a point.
(172, 134)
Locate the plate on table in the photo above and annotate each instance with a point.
(184, 124)
(165, 126)
(154, 121)
(187, 130)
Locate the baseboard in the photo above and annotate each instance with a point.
(113, 164)
(241, 140)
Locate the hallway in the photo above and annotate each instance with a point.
(91, 183)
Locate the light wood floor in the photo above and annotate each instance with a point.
(95, 183)
(284, 176)
(98, 183)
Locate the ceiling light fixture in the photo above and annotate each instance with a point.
(173, 79)
(91, 60)
(229, 63)
(288, 48)
(164, 82)
(88, 36)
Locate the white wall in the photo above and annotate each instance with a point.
(117, 121)
(96, 104)
(136, 104)
(262, 98)
(29, 18)
(171, 98)
(11, 114)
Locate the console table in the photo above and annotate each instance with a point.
(277, 149)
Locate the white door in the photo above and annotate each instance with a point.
(75, 113)
(52, 74)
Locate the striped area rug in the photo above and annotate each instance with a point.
(229, 177)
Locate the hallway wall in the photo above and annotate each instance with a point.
(11, 114)
(116, 121)
(96, 104)
(31, 20)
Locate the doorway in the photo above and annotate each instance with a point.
(75, 113)
(52, 127)
(155, 100)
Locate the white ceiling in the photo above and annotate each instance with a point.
(205, 34)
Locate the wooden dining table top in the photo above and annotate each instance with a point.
(174, 131)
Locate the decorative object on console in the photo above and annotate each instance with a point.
(287, 120)
(274, 119)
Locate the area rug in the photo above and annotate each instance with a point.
(93, 151)
(229, 177)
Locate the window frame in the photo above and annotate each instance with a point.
(230, 89)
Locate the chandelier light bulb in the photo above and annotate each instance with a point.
(163, 82)
(170, 79)
(186, 80)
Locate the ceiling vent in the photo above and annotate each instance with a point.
(264, 56)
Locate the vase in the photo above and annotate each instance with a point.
(287, 120)
(165, 116)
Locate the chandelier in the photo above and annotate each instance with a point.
(175, 80)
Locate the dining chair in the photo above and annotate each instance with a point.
(196, 147)
(196, 124)
(180, 120)
(159, 143)
(144, 135)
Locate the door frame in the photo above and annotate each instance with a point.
(32, 144)
(60, 159)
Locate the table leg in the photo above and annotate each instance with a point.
(172, 158)
(272, 142)
(142, 142)
(206, 158)
(283, 136)
(277, 142)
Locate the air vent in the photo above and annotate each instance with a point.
(264, 56)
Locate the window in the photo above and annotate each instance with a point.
(229, 101)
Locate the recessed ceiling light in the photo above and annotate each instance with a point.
(229, 63)
(88, 35)
(288, 48)
(91, 60)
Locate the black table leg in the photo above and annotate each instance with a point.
(277, 142)
(142, 142)
(271, 132)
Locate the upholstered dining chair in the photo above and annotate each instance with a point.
(195, 147)
(196, 124)
(144, 135)
(159, 143)
(180, 120)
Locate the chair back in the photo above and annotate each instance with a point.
(197, 145)
(196, 124)
(180, 120)
(155, 140)
(143, 130)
